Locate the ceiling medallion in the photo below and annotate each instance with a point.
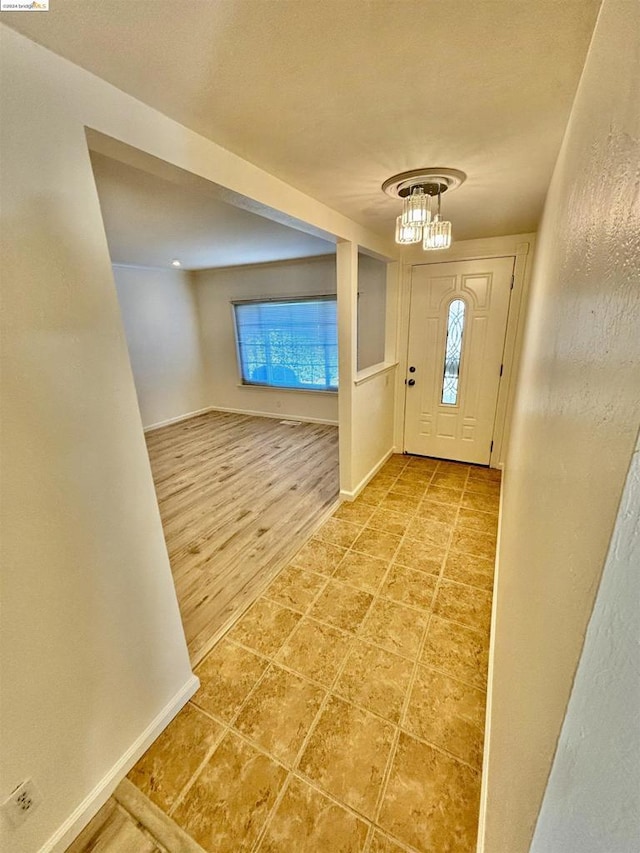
(421, 219)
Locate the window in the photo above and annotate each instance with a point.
(288, 343)
(372, 309)
(453, 352)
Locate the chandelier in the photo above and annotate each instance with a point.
(421, 192)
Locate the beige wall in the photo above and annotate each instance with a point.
(575, 422)
(592, 801)
(367, 397)
(93, 656)
(215, 290)
(373, 401)
(160, 318)
(92, 651)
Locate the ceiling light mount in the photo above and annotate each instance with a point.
(427, 189)
(421, 193)
(401, 185)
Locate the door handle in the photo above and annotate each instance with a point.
(411, 382)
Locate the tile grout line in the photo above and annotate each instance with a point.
(294, 769)
(307, 738)
(192, 779)
(397, 728)
(409, 689)
(378, 594)
(369, 839)
(294, 765)
(413, 515)
(403, 722)
(328, 695)
(386, 574)
(314, 683)
(353, 637)
(390, 563)
(228, 726)
(290, 766)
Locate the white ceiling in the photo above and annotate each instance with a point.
(150, 221)
(334, 96)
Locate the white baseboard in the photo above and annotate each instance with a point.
(350, 496)
(252, 412)
(486, 755)
(96, 798)
(178, 418)
(276, 415)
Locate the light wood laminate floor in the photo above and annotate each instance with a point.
(238, 496)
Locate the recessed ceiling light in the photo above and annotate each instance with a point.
(176, 263)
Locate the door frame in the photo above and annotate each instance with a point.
(520, 247)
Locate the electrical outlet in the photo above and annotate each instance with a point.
(22, 802)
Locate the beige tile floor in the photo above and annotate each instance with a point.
(345, 710)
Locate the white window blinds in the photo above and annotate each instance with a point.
(288, 343)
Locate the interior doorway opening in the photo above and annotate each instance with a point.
(245, 465)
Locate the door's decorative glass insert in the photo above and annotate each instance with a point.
(453, 352)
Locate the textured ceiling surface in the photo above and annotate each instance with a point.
(150, 221)
(333, 96)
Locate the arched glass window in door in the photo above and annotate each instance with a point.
(453, 352)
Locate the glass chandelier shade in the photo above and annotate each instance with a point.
(437, 234)
(406, 234)
(416, 209)
(420, 192)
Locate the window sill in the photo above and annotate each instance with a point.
(375, 370)
(361, 377)
(277, 390)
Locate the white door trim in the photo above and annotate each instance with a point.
(519, 246)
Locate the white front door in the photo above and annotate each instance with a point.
(457, 325)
